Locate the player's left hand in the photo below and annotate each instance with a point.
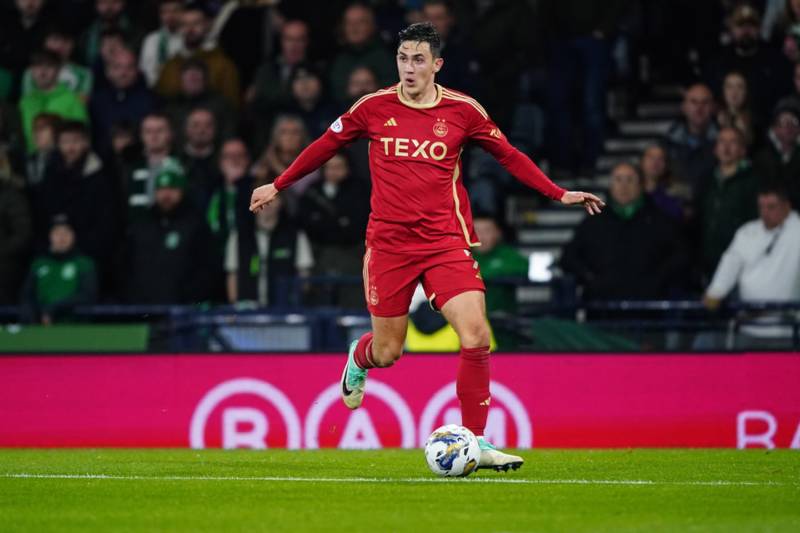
(592, 203)
(262, 196)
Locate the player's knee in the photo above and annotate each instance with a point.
(386, 355)
(475, 335)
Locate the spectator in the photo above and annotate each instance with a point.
(288, 139)
(788, 31)
(736, 111)
(140, 170)
(266, 257)
(48, 96)
(308, 101)
(630, 251)
(109, 15)
(229, 205)
(272, 86)
(195, 93)
(765, 69)
(123, 138)
(669, 195)
(60, 279)
(22, 30)
(125, 98)
(15, 230)
(727, 199)
(199, 156)
(223, 77)
(360, 47)
(497, 259)
(763, 263)
(462, 68)
(74, 77)
(360, 82)
(164, 43)
(170, 257)
(581, 49)
(779, 160)
(334, 212)
(112, 42)
(45, 126)
(690, 140)
(78, 185)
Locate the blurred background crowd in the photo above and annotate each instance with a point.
(131, 135)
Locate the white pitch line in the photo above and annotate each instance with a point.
(646, 482)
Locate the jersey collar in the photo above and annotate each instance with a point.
(415, 105)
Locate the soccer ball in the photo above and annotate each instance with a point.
(452, 451)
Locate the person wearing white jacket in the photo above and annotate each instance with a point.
(763, 262)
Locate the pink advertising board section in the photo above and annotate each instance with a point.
(256, 401)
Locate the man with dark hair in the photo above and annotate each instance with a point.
(48, 96)
(763, 262)
(222, 74)
(109, 15)
(420, 227)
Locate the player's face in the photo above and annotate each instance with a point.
(416, 66)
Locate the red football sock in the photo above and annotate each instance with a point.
(363, 353)
(472, 388)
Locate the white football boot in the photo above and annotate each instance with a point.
(493, 458)
(354, 380)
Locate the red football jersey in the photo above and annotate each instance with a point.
(418, 202)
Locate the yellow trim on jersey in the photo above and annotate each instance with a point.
(368, 96)
(410, 103)
(459, 216)
(466, 99)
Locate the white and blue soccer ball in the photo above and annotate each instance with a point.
(452, 451)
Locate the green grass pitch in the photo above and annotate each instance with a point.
(392, 490)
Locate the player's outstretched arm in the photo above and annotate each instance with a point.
(314, 156)
(262, 196)
(592, 203)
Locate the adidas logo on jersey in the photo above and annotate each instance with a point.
(390, 122)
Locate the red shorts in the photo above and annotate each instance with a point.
(390, 279)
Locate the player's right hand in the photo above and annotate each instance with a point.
(262, 196)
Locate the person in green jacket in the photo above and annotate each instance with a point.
(48, 95)
(727, 199)
(74, 77)
(60, 279)
(497, 260)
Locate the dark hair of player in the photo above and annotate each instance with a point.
(423, 32)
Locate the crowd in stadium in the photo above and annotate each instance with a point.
(132, 134)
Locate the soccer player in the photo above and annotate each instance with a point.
(420, 227)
